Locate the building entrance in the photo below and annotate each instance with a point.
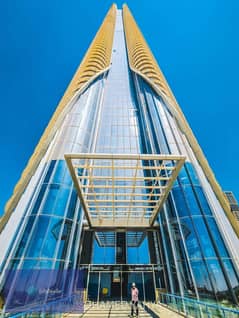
(112, 261)
(106, 283)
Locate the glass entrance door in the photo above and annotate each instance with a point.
(115, 285)
(137, 278)
(93, 286)
(105, 292)
(148, 283)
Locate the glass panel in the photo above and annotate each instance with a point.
(192, 173)
(74, 250)
(140, 254)
(49, 171)
(72, 204)
(103, 254)
(180, 202)
(159, 279)
(183, 177)
(149, 287)
(61, 201)
(202, 279)
(67, 178)
(232, 275)
(59, 173)
(218, 280)
(49, 246)
(14, 263)
(29, 264)
(191, 201)
(64, 240)
(48, 206)
(190, 238)
(206, 243)
(93, 286)
(56, 200)
(217, 237)
(176, 234)
(105, 286)
(39, 199)
(203, 201)
(25, 237)
(188, 285)
(45, 264)
(38, 236)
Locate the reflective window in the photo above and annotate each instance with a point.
(48, 206)
(59, 172)
(139, 254)
(38, 236)
(180, 202)
(202, 279)
(74, 250)
(25, 237)
(103, 254)
(203, 201)
(49, 171)
(190, 238)
(93, 286)
(39, 199)
(232, 275)
(205, 240)
(72, 204)
(52, 236)
(192, 173)
(183, 177)
(191, 201)
(56, 200)
(64, 239)
(61, 201)
(217, 276)
(217, 237)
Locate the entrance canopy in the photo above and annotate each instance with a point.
(123, 190)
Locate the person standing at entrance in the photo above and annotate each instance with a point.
(134, 300)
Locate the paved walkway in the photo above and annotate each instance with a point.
(122, 310)
(163, 312)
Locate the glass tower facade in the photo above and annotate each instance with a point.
(192, 247)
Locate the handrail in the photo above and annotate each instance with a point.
(200, 308)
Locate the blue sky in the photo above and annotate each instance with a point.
(195, 43)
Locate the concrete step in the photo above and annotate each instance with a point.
(108, 311)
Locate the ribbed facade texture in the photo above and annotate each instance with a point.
(120, 103)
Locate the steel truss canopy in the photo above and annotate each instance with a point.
(123, 190)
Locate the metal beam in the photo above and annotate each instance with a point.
(110, 192)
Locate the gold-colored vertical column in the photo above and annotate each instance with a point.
(96, 61)
(142, 62)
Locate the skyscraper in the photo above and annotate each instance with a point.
(119, 187)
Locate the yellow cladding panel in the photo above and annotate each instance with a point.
(142, 62)
(96, 61)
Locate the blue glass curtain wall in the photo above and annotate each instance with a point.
(52, 223)
(49, 239)
(195, 254)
